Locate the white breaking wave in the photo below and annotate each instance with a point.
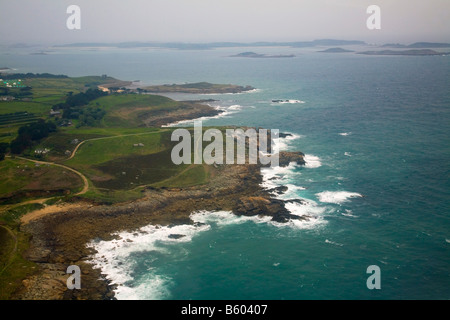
(226, 111)
(235, 107)
(308, 209)
(312, 161)
(275, 176)
(232, 93)
(337, 197)
(286, 101)
(222, 218)
(348, 213)
(345, 134)
(291, 192)
(151, 287)
(348, 154)
(334, 243)
(284, 143)
(113, 258)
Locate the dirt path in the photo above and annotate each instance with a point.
(82, 176)
(55, 208)
(43, 200)
(36, 214)
(110, 137)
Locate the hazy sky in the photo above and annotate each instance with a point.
(44, 21)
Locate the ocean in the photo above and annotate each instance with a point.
(375, 131)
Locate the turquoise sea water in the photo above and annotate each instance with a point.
(376, 134)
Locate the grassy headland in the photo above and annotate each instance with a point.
(112, 160)
(198, 88)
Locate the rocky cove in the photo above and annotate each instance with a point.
(59, 239)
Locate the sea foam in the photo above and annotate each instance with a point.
(336, 197)
(312, 161)
(225, 112)
(284, 143)
(275, 177)
(287, 101)
(114, 258)
(117, 258)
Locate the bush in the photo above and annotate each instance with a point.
(29, 133)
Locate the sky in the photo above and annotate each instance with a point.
(44, 21)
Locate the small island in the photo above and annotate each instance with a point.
(420, 52)
(335, 50)
(197, 88)
(259, 55)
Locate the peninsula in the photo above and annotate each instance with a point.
(99, 166)
(197, 88)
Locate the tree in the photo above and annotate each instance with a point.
(29, 133)
(3, 149)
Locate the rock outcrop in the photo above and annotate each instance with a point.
(59, 239)
(287, 157)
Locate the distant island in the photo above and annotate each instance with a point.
(417, 45)
(4, 69)
(41, 53)
(335, 50)
(197, 88)
(213, 45)
(259, 55)
(394, 45)
(413, 52)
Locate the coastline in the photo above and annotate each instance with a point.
(60, 234)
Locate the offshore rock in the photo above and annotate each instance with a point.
(287, 157)
(275, 208)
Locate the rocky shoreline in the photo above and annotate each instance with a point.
(59, 239)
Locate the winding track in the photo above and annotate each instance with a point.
(111, 137)
(82, 176)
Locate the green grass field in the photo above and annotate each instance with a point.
(108, 148)
(123, 166)
(46, 92)
(13, 266)
(128, 110)
(193, 175)
(119, 154)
